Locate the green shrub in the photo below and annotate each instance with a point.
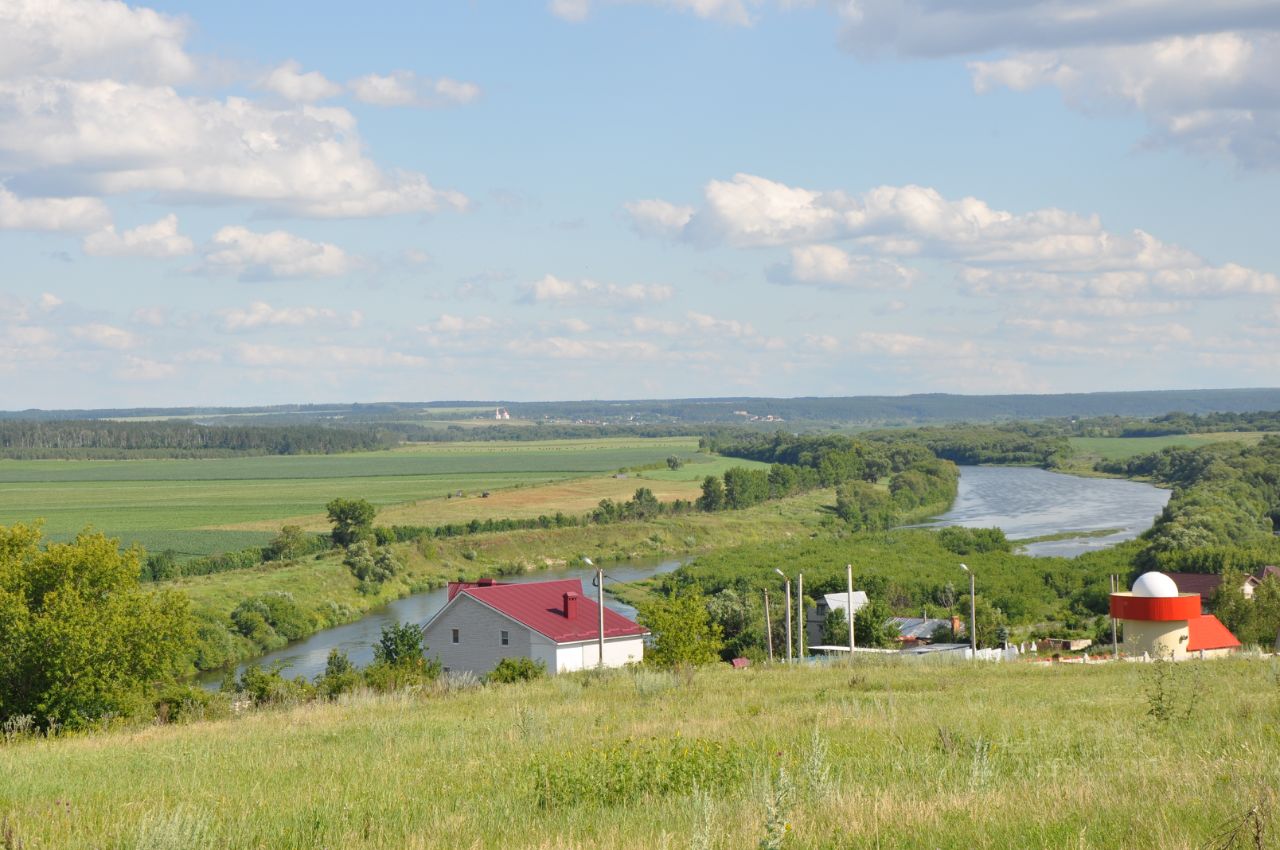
(517, 670)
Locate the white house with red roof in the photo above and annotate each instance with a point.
(549, 621)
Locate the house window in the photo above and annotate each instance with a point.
(506, 637)
(455, 635)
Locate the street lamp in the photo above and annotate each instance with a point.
(788, 595)
(973, 615)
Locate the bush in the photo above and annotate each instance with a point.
(517, 670)
(268, 687)
(340, 675)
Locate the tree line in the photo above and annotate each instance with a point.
(69, 439)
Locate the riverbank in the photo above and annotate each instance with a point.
(325, 589)
(884, 754)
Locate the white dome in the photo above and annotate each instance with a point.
(1154, 585)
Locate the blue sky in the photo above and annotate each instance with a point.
(279, 202)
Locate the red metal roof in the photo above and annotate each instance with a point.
(455, 587)
(1207, 632)
(540, 606)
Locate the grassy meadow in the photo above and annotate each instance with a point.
(211, 505)
(1089, 450)
(879, 754)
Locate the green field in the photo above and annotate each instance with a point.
(180, 503)
(1089, 450)
(878, 755)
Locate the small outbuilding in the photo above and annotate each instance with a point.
(1160, 622)
(549, 621)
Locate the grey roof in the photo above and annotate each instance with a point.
(918, 627)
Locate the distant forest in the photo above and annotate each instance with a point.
(66, 439)
(860, 411)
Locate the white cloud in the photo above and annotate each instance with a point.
(153, 316)
(51, 213)
(325, 356)
(260, 314)
(829, 267)
(91, 39)
(110, 137)
(159, 239)
(551, 289)
(144, 369)
(658, 218)
(727, 11)
(911, 345)
(274, 255)
(1206, 76)
(49, 301)
(1046, 250)
(105, 336)
(454, 325)
(288, 81)
(562, 348)
(405, 88)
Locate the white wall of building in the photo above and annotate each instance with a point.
(617, 652)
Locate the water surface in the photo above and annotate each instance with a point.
(1027, 502)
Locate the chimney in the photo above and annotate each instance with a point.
(956, 625)
(486, 582)
(570, 605)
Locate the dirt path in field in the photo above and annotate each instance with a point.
(577, 496)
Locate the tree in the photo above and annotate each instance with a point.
(674, 462)
(352, 520)
(712, 498)
(835, 628)
(517, 670)
(871, 626)
(80, 638)
(683, 632)
(400, 644)
(292, 542)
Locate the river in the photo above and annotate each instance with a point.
(1027, 502)
(1023, 501)
(307, 657)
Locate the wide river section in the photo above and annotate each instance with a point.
(1026, 502)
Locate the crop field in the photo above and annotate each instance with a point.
(878, 754)
(188, 505)
(1118, 448)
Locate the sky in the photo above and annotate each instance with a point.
(285, 202)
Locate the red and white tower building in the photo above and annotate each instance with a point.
(1160, 622)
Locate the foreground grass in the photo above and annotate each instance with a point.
(884, 754)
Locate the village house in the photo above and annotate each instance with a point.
(817, 615)
(549, 621)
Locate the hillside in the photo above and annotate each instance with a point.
(880, 755)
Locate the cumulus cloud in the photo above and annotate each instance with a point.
(1206, 76)
(51, 213)
(136, 368)
(105, 336)
(159, 239)
(829, 267)
(110, 137)
(405, 88)
(275, 255)
(554, 290)
(260, 314)
(453, 325)
(289, 81)
(90, 39)
(1046, 250)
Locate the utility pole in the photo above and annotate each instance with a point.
(973, 616)
(1115, 643)
(599, 583)
(768, 625)
(788, 592)
(800, 614)
(848, 574)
